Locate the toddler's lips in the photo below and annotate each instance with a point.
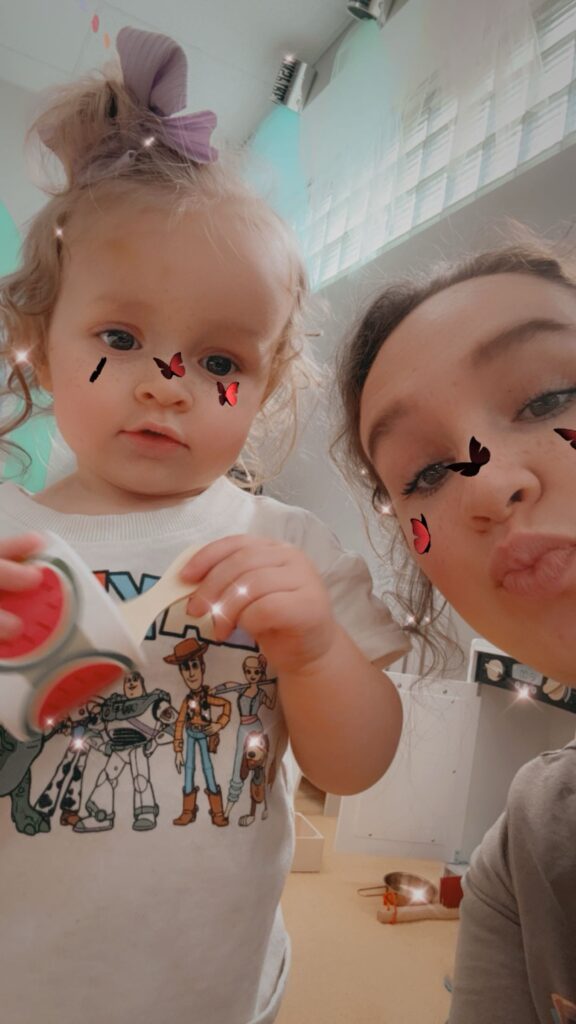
(153, 442)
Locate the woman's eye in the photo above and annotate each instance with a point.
(125, 334)
(219, 365)
(431, 475)
(550, 402)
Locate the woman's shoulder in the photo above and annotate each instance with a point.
(543, 783)
(535, 832)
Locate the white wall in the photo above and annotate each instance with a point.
(20, 197)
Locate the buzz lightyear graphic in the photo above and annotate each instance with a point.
(134, 724)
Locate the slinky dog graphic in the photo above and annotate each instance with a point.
(254, 762)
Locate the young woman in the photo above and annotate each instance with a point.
(460, 398)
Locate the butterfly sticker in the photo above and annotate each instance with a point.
(229, 394)
(478, 457)
(568, 435)
(176, 368)
(421, 535)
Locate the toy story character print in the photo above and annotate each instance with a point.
(194, 723)
(65, 786)
(16, 758)
(254, 763)
(134, 724)
(251, 754)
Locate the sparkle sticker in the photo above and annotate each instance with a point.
(421, 535)
(478, 457)
(176, 368)
(229, 394)
(98, 370)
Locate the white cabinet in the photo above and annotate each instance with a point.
(418, 809)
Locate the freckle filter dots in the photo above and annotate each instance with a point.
(228, 395)
(421, 535)
(568, 435)
(478, 457)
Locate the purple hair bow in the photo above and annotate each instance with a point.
(155, 72)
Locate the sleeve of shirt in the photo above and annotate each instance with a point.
(490, 980)
(516, 950)
(366, 618)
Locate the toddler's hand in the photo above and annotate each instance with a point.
(268, 588)
(14, 576)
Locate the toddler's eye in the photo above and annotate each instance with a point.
(219, 365)
(125, 334)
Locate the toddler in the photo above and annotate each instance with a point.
(146, 838)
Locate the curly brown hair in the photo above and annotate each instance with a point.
(97, 133)
(523, 252)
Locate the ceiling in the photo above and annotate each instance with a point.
(234, 47)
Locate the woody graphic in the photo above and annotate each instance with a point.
(195, 723)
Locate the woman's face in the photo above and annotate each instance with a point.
(492, 358)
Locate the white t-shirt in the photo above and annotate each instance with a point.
(110, 912)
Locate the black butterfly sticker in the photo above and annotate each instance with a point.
(478, 457)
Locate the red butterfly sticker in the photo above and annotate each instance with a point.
(176, 368)
(229, 394)
(421, 534)
(478, 457)
(568, 435)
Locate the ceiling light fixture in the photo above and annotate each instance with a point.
(376, 10)
(293, 83)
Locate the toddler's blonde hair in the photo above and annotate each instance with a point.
(91, 125)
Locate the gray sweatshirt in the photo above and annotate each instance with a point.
(516, 955)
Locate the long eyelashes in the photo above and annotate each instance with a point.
(479, 457)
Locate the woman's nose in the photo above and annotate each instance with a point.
(497, 488)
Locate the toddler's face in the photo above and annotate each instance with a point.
(141, 285)
(452, 385)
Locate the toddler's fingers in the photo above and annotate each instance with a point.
(13, 552)
(10, 626)
(14, 576)
(21, 545)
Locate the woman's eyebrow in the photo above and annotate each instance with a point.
(527, 330)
